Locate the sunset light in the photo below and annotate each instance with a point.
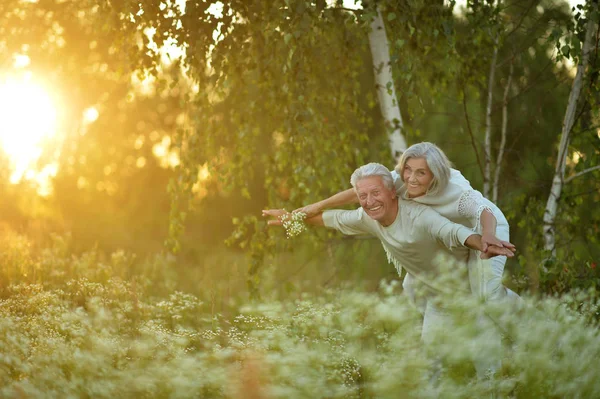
(27, 119)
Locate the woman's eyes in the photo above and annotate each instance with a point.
(419, 172)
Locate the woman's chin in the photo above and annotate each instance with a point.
(415, 193)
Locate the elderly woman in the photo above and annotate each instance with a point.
(424, 175)
(413, 235)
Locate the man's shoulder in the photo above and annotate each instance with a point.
(349, 221)
(412, 206)
(417, 211)
(342, 215)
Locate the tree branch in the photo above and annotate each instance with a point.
(518, 25)
(503, 138)
(357, 13)
(583, 172)
(471, 133)
(593, 191)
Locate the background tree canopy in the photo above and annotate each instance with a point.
(240, 105)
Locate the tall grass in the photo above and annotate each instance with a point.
(94, 326)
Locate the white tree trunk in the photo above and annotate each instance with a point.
(487, 176)
(559, 172)
(386, 93)
(503, 138)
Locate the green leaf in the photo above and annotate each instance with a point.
(391, 16)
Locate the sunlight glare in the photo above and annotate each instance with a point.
(21, 61)
(90, 115)
(167, 157)
(27, 118)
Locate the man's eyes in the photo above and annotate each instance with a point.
(364, 196)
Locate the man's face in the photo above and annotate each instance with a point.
(377, 200)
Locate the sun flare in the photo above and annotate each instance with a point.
(27, 120)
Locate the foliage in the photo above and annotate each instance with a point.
(574, 268)
(86, 327)
(271, 103)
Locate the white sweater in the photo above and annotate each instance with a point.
(458, 202)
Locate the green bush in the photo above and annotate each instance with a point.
(100, 326)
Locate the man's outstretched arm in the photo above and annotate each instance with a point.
(453, 234)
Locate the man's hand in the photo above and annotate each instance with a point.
(276, 216)
(494, 250)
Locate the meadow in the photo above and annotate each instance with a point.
(92, 325)
(139, 138)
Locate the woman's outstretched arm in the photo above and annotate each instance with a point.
(276, 217)
(335, 201)
(475, 242)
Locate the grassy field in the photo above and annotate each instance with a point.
(99, 326)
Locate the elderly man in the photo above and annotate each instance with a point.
(412, 234)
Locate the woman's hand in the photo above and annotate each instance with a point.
(494, 250)
(489, 239)
(276, 216)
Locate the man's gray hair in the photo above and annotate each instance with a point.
(437, 162)
(373, 169)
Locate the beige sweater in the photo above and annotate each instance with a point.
(417, 236)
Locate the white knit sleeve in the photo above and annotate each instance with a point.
(470, 205)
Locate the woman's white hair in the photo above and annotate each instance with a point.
(373, 169)
(437, 162)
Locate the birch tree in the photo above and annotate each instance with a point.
(551, 210)
(485, 18)
(386, 91)
(487, 177)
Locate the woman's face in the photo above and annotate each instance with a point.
(417, 177)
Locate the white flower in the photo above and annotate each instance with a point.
(293, 223)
